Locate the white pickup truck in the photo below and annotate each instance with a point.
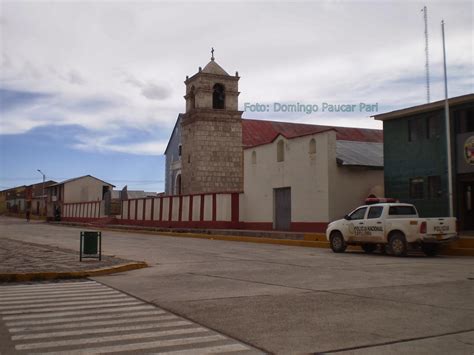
(395, 225)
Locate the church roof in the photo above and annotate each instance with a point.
(259, 132)
(213, 68)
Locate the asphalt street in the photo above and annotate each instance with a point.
(286, 300)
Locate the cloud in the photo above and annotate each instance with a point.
(75, 78)
(117, 66)
(149, 89)
(13, 99)
(112, 143)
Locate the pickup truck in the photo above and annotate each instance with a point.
(395, 227)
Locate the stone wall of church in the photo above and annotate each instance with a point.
(212, 154)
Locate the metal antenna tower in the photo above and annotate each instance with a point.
(427, 63)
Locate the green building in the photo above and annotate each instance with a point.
(415, 158)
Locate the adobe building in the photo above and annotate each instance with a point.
(288, 176)
(87, 190)
(416, 159)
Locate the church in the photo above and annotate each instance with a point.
(287, 176)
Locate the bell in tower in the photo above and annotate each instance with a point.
(212, 132)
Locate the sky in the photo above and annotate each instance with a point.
(96, 87)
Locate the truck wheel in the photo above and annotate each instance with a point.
(338, 245)
(369, 248)
(398, 244)
(430, 249)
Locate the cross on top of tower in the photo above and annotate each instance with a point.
(212, 53)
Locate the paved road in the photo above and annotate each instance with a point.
(292, 299)
(90, 318)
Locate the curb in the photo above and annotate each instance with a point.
(451, 251)
(41, 276)
(312, 240)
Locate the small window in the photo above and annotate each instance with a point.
(375, 212)
(434, 187)
(180, 150)
(189, 158)
(415, 130)
(416, 188)
(358, 214)
(280, 151)
(432, 127)
(402, 211)
(254, 157)
(312, 146)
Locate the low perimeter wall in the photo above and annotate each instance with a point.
(216, 210)
(83, 210)
(204, 211)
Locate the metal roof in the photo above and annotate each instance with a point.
(350, 153)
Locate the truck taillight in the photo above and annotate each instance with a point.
(423, 228)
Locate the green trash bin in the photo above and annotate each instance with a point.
(91, 245)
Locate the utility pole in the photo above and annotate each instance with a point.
(448, 129)
(427, 63)
(44, 197)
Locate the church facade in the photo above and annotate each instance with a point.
(288, 176)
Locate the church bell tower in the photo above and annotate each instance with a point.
(211, 135)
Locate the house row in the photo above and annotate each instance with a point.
(51, 198)
(26, 197)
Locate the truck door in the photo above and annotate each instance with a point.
(374, 226)
(356, 224)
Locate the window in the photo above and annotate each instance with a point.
(312, 146)
(375, 212)
(464, 120)
(432, 127)
(180, 150)
(358, 214)
(416, 188)
(434, 186)
(254, 157)
(281, 150)
(415, 129)
(402, 211)
(218, 96)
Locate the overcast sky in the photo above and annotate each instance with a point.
(95, 87)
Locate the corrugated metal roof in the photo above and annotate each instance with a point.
(259, 132)
(352, 153)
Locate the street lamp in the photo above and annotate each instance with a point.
(44, 197)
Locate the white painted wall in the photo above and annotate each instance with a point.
(224, 207)
(350, 188)
(321, 191)
(305, 173)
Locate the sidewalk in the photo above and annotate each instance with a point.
(22, 261)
